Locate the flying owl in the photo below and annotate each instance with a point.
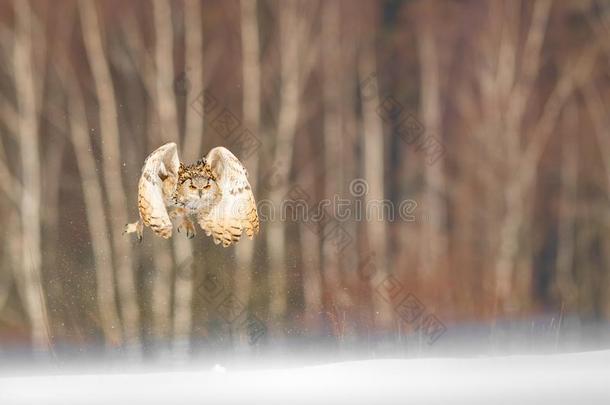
(214, 191)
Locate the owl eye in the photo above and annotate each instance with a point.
(192, 187)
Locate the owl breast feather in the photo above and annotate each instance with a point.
(194, 205)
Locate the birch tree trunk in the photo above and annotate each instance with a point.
(287, 122)
(191, 151)
(94, 205)
(374, 164)
(165, 104)
(194, 62)
(518, 92)
(167, 110)
(35, 301)
(6, 278)
(566, 217)
(111, 152)
(251, 74)
(161, 255)
(601, 124)
(311, 266)
(435, 248)
(332, 125)
(12, 191)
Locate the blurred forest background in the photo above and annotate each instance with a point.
(491, 116)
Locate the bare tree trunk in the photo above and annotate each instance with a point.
(111, 152)
(566, 219)
(356, 263)
(374, 164)
(332, 125)
(30, 167)
(52, 182)
(12, 249)
(601, 124)
(167, 110)
(595, 107)
(311, 268)
(12, 191)
(12, 239)
(435, 248)
(94, 204)
(191, 151)
(194, 62)
(251, 73)
(164, 62)
(524, 176)
(518, 96)
(12, 242)
(6, 278)
(287, 122)
(161, 299)
(161, 294)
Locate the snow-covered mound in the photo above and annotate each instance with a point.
(582, 378)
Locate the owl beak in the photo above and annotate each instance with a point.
(200, 193)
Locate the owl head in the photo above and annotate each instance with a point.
(196, 183)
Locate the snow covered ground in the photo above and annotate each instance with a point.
(581, 378)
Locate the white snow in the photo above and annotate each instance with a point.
(581, 378)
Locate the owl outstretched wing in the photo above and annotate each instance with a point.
(157, 185)
(235, 213)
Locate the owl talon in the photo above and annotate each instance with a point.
(135, 227)
(188, 227)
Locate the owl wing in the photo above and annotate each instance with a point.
(235, 211)
(157, 185)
